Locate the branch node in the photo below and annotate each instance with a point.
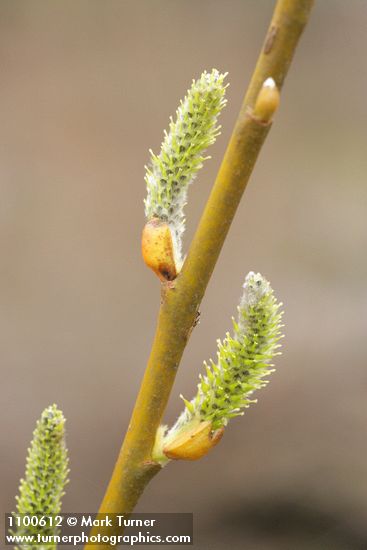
(270, 39)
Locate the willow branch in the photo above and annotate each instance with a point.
(180, 301)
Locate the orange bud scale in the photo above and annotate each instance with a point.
(157, 249)
(194, 443)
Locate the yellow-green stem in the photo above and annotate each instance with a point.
(180, 300)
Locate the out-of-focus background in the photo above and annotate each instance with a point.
(86, 89)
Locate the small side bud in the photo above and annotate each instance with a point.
(267, 101)
(157, 249)
(194, 443)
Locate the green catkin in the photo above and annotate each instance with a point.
(244, 359)
(243, 363)
(170, 173)
(41, 491)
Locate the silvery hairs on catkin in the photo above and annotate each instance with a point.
(243, 360)
(171, 172)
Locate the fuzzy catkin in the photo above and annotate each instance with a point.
(41, 490)
(170, 173)
(244, 360)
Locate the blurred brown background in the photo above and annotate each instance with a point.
(86, 88)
